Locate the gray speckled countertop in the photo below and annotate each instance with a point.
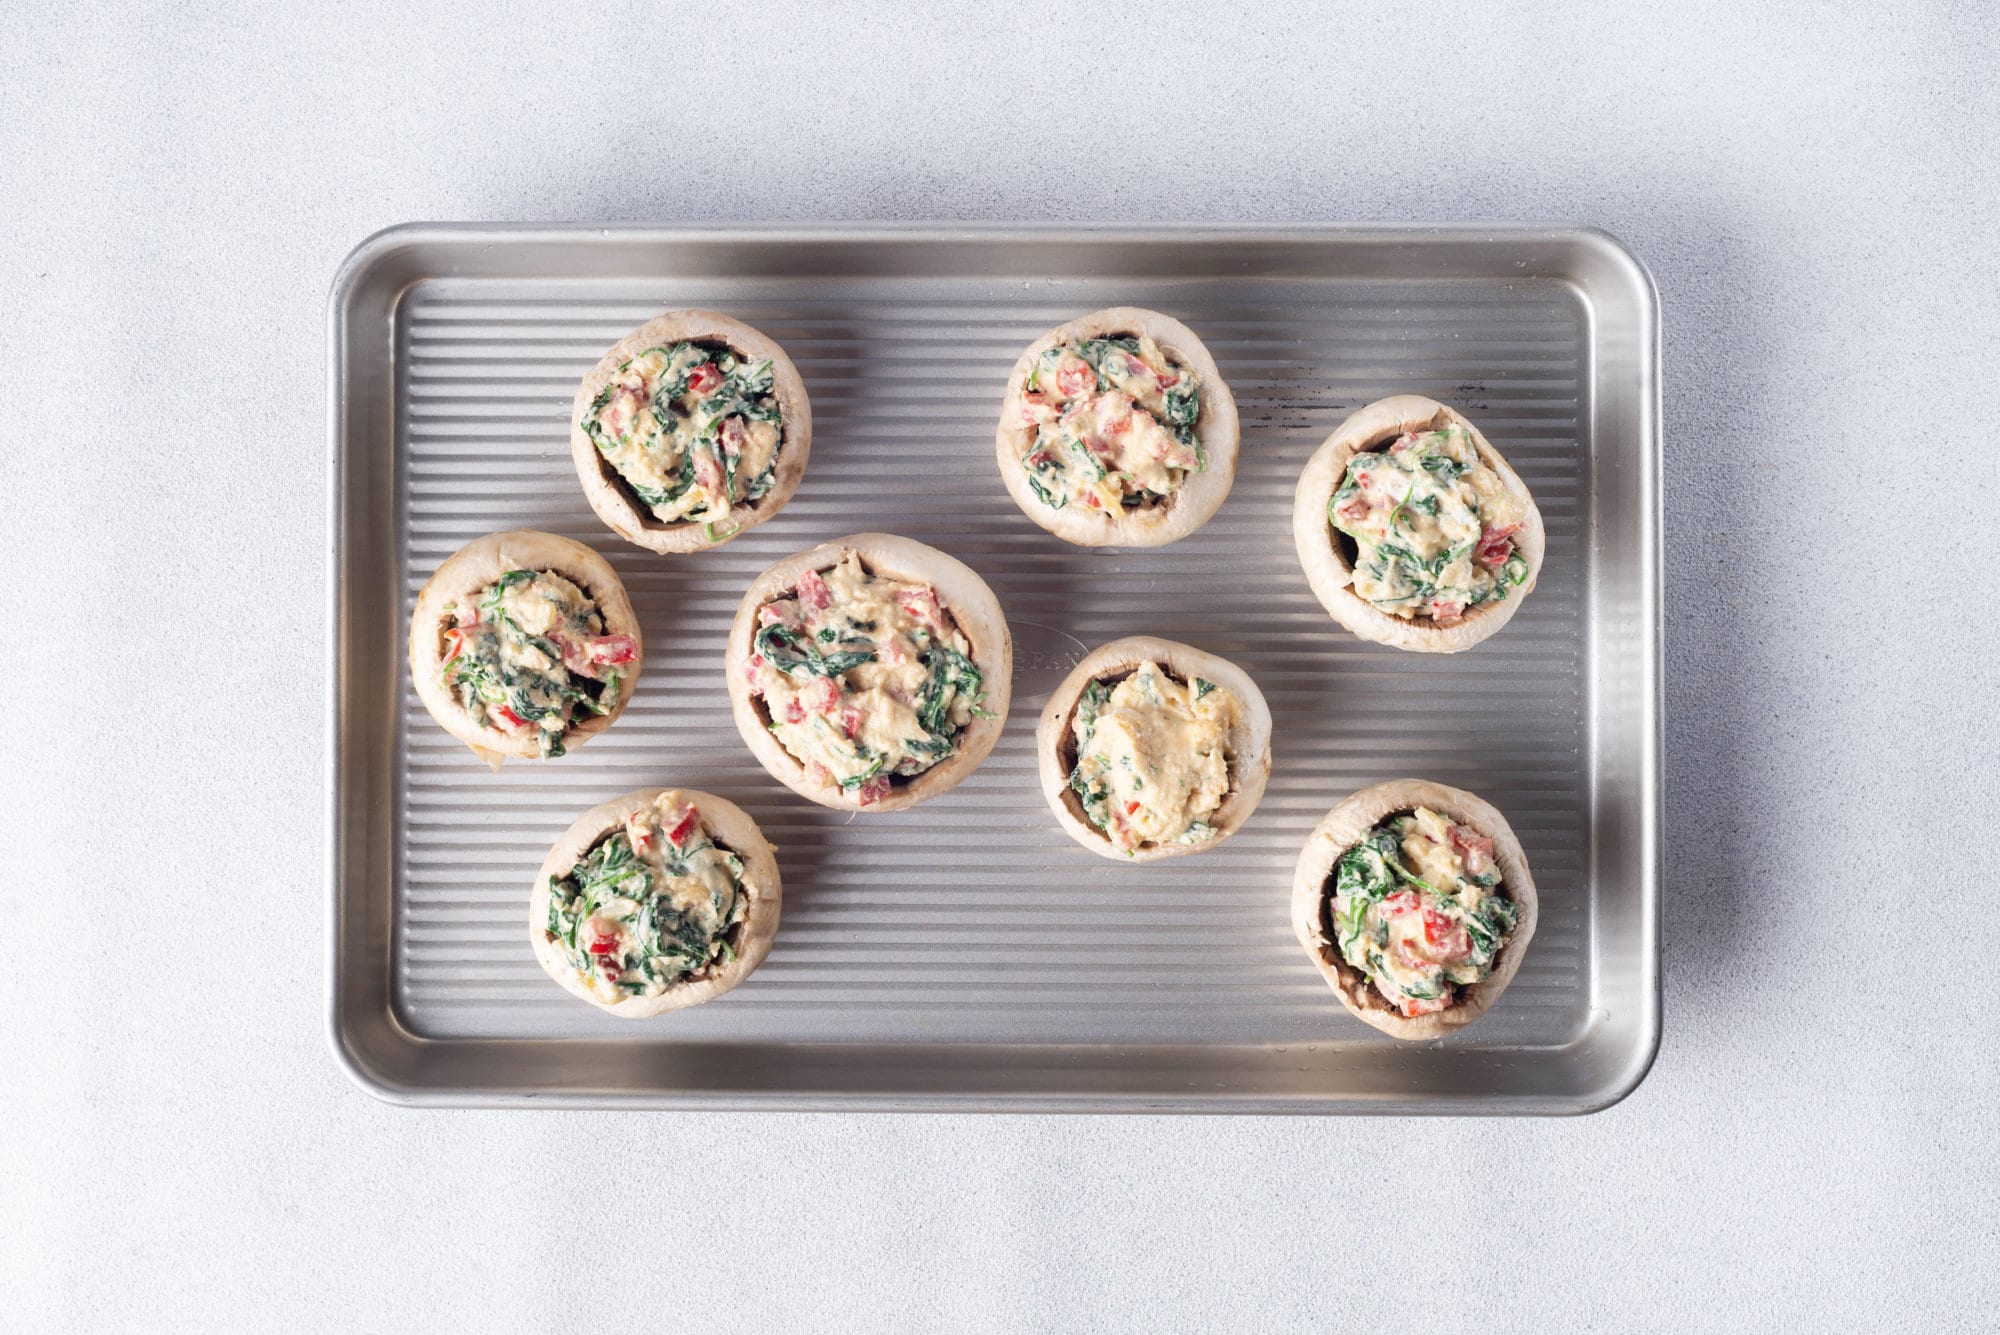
(1815, 193)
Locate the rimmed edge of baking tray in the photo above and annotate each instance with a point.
(382, 1056)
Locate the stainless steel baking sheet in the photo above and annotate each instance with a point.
(965, 954)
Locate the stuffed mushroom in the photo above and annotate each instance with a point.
(524, 644)
(1416, 903)
(691, 430)
(1117, 430)
(1413, 530)
(1152, 749)
(655, 901)
(870, 673)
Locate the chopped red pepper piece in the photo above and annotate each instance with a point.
(1496, 545)
(920, 603)
(704, 378)
(813, 591)
(683, 829)
(1074, 377)
(509, 717)
(1475, 848)
(622, 409)
(613, 649)
(1113, 418)
(707, 471)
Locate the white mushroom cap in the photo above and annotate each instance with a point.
(470, 569)
(1200, 494)
(1341, 829)
(1249, 741)
(960, 591)
(732, 828)
(1326, 563)
(614, 502)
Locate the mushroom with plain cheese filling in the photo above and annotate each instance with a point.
(1151, 749)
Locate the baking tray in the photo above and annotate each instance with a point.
(966, 955)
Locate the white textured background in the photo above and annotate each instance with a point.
(1815, 192)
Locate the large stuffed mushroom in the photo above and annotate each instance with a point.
(871, 673)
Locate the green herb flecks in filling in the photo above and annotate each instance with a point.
(528, 653)
(1433, 526)
(632, 923)
(1417, 906)
(865, 680)
(692, 430)
(1111, 425)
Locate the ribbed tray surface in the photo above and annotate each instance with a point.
(973, 918)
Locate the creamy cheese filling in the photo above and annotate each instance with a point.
(526, 653)
(652, 904)
(1433, 526)
(1152, 756)
(1418, 907)
(865, 679)
(1111, 425)
(692, 429)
